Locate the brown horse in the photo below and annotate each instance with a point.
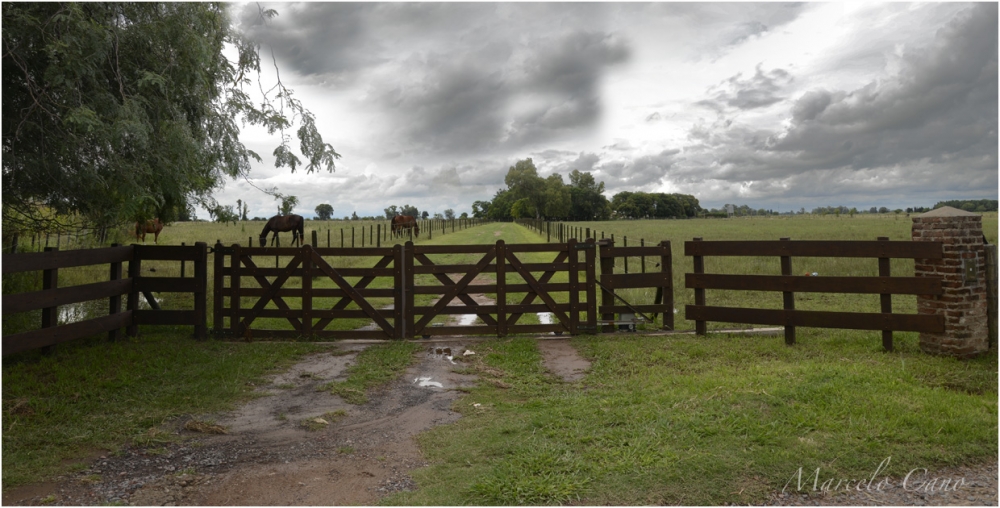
(401, 222)
(281, 223)
(151, 226)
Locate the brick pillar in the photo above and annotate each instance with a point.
(963, 269)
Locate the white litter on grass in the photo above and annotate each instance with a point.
(426, 381)
(468, 352)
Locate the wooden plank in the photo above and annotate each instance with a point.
(327, 314)
(619, 252)
(55, 335)
(259, 271)
(326, 334)
(565, 319)
(167, 284)
(818, 319)
(433, 269)
(34, 300)
(649, 308)
(168, 252)
(32, 261)
(452, 249)
(431, 331)
(535, 247)
(637, 280)
(359, 288)
(165, 317)
(817, 248)
(802, 284)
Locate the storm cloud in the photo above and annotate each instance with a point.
(771, 104)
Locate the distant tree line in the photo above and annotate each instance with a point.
(582, 199)
(970, 205)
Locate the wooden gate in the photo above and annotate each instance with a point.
(410, 290)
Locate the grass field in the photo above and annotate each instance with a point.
(657, 420)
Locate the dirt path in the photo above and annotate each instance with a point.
(270, 457)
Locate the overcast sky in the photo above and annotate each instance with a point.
(773, 105)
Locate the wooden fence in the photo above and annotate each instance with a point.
(884, 285)
(51, 296)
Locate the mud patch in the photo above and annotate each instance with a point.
(562, 359)
(268, 457)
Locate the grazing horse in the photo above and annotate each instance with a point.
(281, 223)
(401, 222)
(151, 226)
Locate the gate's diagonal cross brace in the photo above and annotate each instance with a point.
(530, 297)
(536, 287)
(345, 301)
(355, 296)
(446, 281)
(272, 292)
(452, 291)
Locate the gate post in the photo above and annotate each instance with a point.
(305, 252)
(963, 270)
(398, 291)
(591, 279)
(234, 291)
(408, 283)
(217, 291)
(574, 287)
(607, 269)
(201, 292)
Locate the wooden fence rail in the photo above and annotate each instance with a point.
(884, 285)
(51, 296)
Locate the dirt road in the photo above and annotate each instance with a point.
(276, 452)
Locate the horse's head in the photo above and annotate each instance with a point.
(263, 241)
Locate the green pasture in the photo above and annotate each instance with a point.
(659, 419)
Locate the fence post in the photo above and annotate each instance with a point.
(625, 244)
(115, 302)
(379, 236)
(788, 297)
(591, 284)
(574, 287)
(884, 270)
(134, 272)
(607, 269)
(217, 292)
(667, 293)
(315, 239)
(700, 327)
(642, 259)
(201, 292)
(991, 293)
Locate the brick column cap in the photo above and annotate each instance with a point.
(946, 211)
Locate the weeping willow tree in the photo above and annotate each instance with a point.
(114, 112)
